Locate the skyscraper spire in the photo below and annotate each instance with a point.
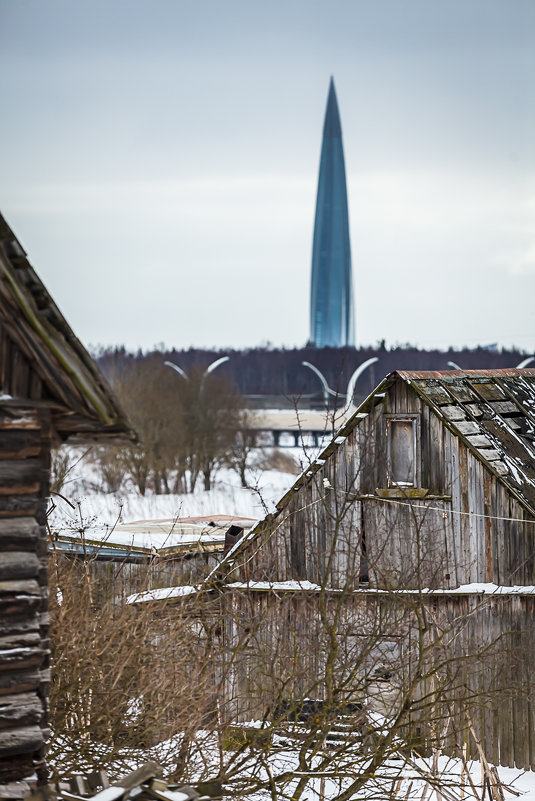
(331, 294)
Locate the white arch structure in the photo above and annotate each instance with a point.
(210, 369)
(350, 386)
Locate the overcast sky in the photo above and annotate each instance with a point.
(159, 164)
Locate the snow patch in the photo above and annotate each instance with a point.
(162, 594)
(275, 585)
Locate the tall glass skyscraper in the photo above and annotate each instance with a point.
(331, 294)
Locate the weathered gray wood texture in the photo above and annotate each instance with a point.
(453, 536)
(115, 580)
(344, 527)
(41, 360)
(24, 647)
(48, 382)
(290, 645)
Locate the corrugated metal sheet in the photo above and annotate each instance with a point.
(142, 539)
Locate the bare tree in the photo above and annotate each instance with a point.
(337, 682)
(187, 427)
(242, 448)
(211, 419)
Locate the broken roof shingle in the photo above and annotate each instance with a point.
(493, 411)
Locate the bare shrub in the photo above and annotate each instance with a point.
(63, 461)
(120, 684)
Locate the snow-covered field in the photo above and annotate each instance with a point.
(83, 506)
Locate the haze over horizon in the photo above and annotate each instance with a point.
(160, 163)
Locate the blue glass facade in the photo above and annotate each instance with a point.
(331, 295)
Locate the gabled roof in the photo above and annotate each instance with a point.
(492, 411)
(41, 358)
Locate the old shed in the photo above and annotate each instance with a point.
(430, 483)
(51, 392)
(412, 534)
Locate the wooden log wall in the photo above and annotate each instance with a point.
(24, 647)
(483, 647)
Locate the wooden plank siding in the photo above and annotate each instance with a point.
(451, 537)
(346, 527)
(115, 579)
(269, 660)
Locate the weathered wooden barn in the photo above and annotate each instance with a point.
(51, 392)
(413, 533)
(431, 483)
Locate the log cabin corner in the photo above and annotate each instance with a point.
(50, 392)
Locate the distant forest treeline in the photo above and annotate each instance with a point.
(267, 371)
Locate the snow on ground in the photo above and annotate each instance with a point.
(397, 779)
(412, 779)
(88, 507)
(97, 508)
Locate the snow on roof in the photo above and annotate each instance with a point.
(491, 589)
(307, 586)
(165, 536)
(162, 594)
(168, 593)
(295, 586)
